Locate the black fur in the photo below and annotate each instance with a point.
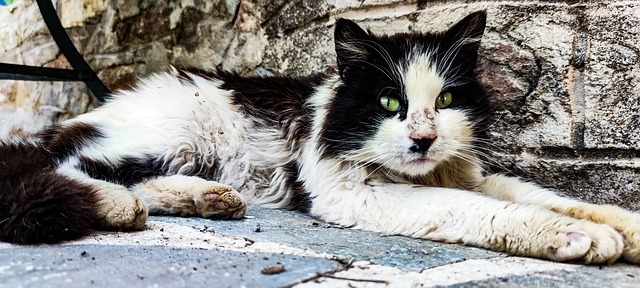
(62, 142)
(300, 199)
(37, 205)
(279, 102)
(127, 172)
(276, 100)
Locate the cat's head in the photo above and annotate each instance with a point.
(408, 101)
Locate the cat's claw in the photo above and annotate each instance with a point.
(220, 201)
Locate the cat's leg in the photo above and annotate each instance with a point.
(456, 216)
(190, 196)
(626, 222)
(117, 207)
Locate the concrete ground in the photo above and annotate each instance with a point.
(273, 248)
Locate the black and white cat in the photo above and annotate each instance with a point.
(388, 142)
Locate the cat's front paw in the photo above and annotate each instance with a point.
(122, 211)
(631, 250)
(625, 222)
(219, 201)
(587, 243)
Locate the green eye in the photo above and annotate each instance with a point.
(390, 103)
(444, 100)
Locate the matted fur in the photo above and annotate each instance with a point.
(390, 141)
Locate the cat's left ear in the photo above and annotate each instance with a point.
(351, 43)
(469, 30)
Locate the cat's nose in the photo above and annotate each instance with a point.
(421, 145)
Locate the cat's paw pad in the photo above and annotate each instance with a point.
(220, 201)
(124, 212)
(590, 243)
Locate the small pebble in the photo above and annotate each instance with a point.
(277, 269)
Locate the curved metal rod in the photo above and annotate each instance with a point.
(70, 52)
(33, 73)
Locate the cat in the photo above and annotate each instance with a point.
(389, 140)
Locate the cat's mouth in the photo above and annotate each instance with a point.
(422, 159)
(417, 164)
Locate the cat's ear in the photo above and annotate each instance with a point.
(351, 43)
(464, 37)
(469, 30)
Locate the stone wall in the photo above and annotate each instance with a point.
(564, 75)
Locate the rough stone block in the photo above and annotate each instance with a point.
(603, 181)
(524, 66)
(76, 12)
(19, 22)
(612, 77)
(283, 56)
(26, 107)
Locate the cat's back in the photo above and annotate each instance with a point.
(164, 98)
(166, 119)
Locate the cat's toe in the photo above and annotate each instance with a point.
(605, 243)
(631, 251)
(220, 201)
(627, 224)
(124, 212)
(569, 246)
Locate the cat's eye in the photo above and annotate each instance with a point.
(444, 100)
(390, 103)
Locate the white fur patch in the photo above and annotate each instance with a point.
(422, 84)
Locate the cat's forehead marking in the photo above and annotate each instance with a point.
(422, 83)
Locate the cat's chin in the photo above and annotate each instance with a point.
(417, 167)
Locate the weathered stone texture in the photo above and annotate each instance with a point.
(27, 106)
(537, 51)
(612, 77)
(605, 180)
(564, 75)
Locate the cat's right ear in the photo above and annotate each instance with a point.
(351, 43)
(469, 29)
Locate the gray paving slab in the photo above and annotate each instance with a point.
(195, 252)
(302, 231)
(151, 266)
(618, 276)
